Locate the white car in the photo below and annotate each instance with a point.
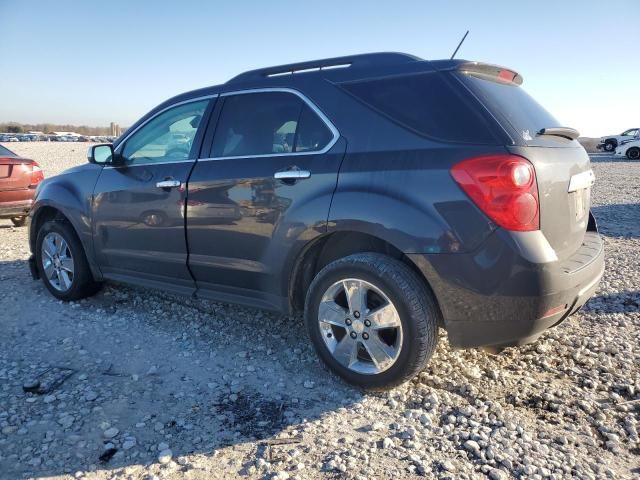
(629, 149)
(611, 142)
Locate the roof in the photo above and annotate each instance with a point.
(380, 59)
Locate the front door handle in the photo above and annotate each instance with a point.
(168, 184)
(292, 175)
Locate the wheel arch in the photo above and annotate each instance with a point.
(46, 211)
(332, 246)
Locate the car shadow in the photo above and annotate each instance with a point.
(621, 302)
(196, 375)
(618, 220)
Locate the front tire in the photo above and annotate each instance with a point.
(61, 262)
(633, 153)
(372, 320)
(610, 146)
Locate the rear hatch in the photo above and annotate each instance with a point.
(15, 172)
(562, 166)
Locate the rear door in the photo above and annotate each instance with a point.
(138, 207)
(562, 166)
(264, 190)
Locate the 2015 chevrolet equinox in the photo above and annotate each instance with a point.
(381, 194)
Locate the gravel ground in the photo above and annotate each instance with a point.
(165, 387)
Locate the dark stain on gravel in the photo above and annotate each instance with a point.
(253, 415)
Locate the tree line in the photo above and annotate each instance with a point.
(15, 127)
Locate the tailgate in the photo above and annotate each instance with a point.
(15, 173)
(564, 188)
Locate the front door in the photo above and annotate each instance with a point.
(265, 190)
(138, 206)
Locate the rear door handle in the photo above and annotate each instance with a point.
(168, 183)
(292, 175)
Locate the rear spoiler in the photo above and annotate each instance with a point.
(487, 71)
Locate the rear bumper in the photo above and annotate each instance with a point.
(15, 209)
(496, 296)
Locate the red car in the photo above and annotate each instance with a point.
(19, 178)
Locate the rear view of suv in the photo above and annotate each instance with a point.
(382, 195)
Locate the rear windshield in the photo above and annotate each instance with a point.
(426, 104)
(512, 104)
(5, 152)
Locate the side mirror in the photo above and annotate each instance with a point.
(100, 154)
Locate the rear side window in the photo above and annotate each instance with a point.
(5, 152)
(509, 101)
(426, 104)
(268, 123)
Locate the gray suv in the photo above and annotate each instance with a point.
(383, 196)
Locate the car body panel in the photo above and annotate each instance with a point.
(16, 195)
(70, 193)
(138, 228)
(246, 254)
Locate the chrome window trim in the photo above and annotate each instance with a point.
(120, 146)
(328, 123)
(131, 165)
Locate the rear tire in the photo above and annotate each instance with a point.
(64, 253)
(390, 284)
(633, 153)
(19, 221)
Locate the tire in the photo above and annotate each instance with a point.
(82, 283)
(386, 280)
(610, 146)
(19, 221)
(633, 153)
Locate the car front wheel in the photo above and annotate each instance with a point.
(62, 263)
(372, 320)
(610, 146)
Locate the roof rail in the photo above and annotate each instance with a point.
(363, 60)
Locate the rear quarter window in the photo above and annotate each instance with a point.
(426, 104)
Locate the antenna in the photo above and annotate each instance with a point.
(459, 45)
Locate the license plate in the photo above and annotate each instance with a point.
(5, 171)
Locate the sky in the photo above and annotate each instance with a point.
(94, 62)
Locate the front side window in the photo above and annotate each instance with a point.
(268, 123)
(631, 133)
(167, 137)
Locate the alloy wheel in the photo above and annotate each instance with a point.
(360, 326)
(57, 261)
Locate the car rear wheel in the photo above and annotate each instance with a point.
(62, 263)
(372, 320)
(633, 153)
(19, 221)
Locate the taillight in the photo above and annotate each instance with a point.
(36, 175)
(504, 187)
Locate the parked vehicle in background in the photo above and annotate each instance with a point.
(19, 178)
(12, 139)
(610, 142)
(629, 149)
(383, 195)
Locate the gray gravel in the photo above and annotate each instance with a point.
(167, 387)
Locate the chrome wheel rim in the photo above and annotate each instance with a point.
(360, 326)
(57, 261)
